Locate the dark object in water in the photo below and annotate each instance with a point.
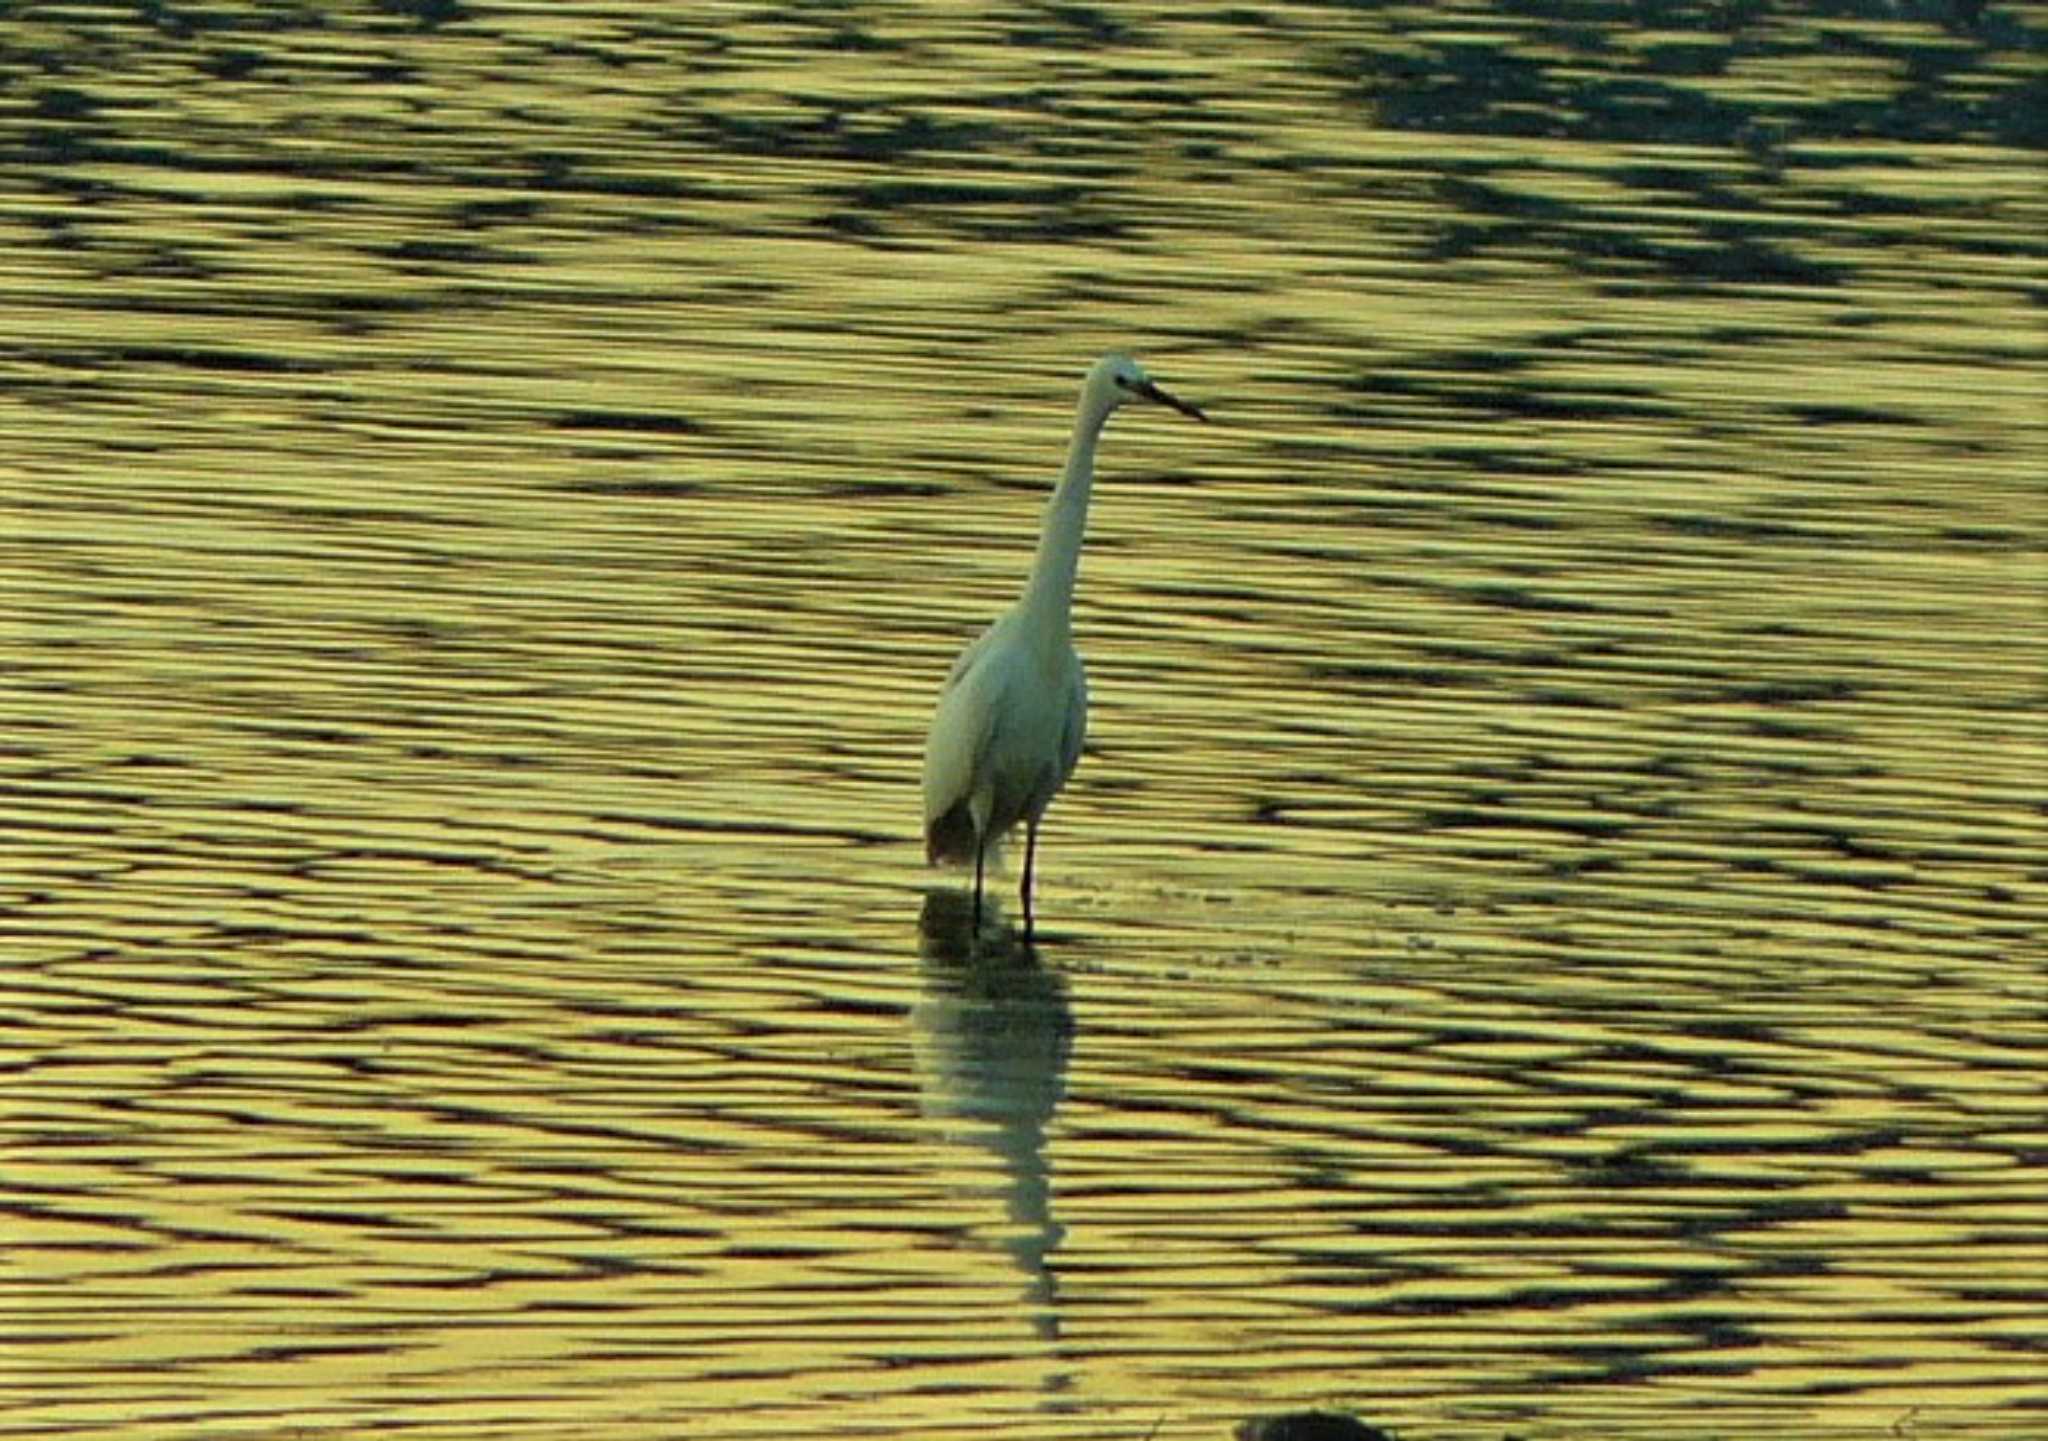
(1310, 1426)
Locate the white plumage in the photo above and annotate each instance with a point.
(1014, 711)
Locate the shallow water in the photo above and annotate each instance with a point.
(1547, 938)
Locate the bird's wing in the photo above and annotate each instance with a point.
(963, 729)
(1075, 731)
(969, 654)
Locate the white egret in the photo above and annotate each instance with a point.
(1010, 721)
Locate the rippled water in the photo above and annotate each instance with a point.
(1548, 938)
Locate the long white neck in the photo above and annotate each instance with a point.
(1051, 592)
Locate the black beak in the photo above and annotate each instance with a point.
(1152, 392)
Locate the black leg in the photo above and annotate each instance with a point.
(980, 850)
(1030, 856)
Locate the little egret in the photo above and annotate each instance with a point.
(1010, 721)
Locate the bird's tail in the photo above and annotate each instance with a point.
(949, 838)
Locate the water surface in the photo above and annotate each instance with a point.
(1547, 938)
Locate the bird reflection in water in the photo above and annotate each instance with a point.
(992, 1034)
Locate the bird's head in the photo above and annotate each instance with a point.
(1117, 379)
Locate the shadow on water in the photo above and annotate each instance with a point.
(993, 1032)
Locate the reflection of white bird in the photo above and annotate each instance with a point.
(1010, 721)
(992, 1033)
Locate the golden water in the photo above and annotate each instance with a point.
(1549, 935)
